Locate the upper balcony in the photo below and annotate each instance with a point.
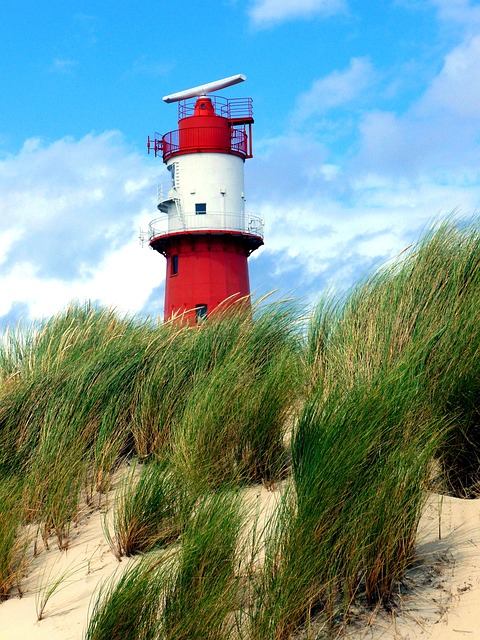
(223, 126)
(205, 139)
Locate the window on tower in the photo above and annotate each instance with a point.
(200, 208)
(200, 312)
(171, 168)
(174, 265)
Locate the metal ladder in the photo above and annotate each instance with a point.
(178, 202)
(179, 208)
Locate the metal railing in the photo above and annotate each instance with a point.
(163, 189)
(213, 221)
(204, 138)
(225, 107)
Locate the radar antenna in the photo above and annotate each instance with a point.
(203, 89)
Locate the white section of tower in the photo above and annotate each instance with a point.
(206, 192)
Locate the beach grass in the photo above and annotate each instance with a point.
(349, 409)
(148, 510)
(188, 591)
(127, 608)
(200, 599)
(13, 542)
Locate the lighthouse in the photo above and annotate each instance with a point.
(203, 230)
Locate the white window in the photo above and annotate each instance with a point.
(173, 174)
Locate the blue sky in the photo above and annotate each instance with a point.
(367, 128)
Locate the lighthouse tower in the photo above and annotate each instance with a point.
(203, 231)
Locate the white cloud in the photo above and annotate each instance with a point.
(340, 214)
(457, 87)
(62, 66)
(268, 12)
(439, 134)
(458, 12)
(21, 284)
(70, 210)
(455, 16)
(329, 242)
(295, 158)
(7, 240)
(69, 220)
(146, 67)
(338, 89)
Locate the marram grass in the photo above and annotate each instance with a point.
(127, 608)
(426, 303)
(361, 465)
(383, 385)
(200, 599)
(87, 389)
(13, 543)
(186, 593)
(148, 511)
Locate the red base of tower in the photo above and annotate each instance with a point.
(204, 269)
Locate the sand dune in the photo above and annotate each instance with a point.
(441, 599)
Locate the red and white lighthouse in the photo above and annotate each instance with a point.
(203, 231)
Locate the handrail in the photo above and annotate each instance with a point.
(225, 107)
(217, 221)
(196, 138)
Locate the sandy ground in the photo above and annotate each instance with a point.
(442, 596)
(441, 600)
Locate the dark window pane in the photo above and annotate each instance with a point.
(201, 312)
(174, 265)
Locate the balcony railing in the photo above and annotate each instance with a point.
(227, 108)
(213, 221)
(206, 139)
